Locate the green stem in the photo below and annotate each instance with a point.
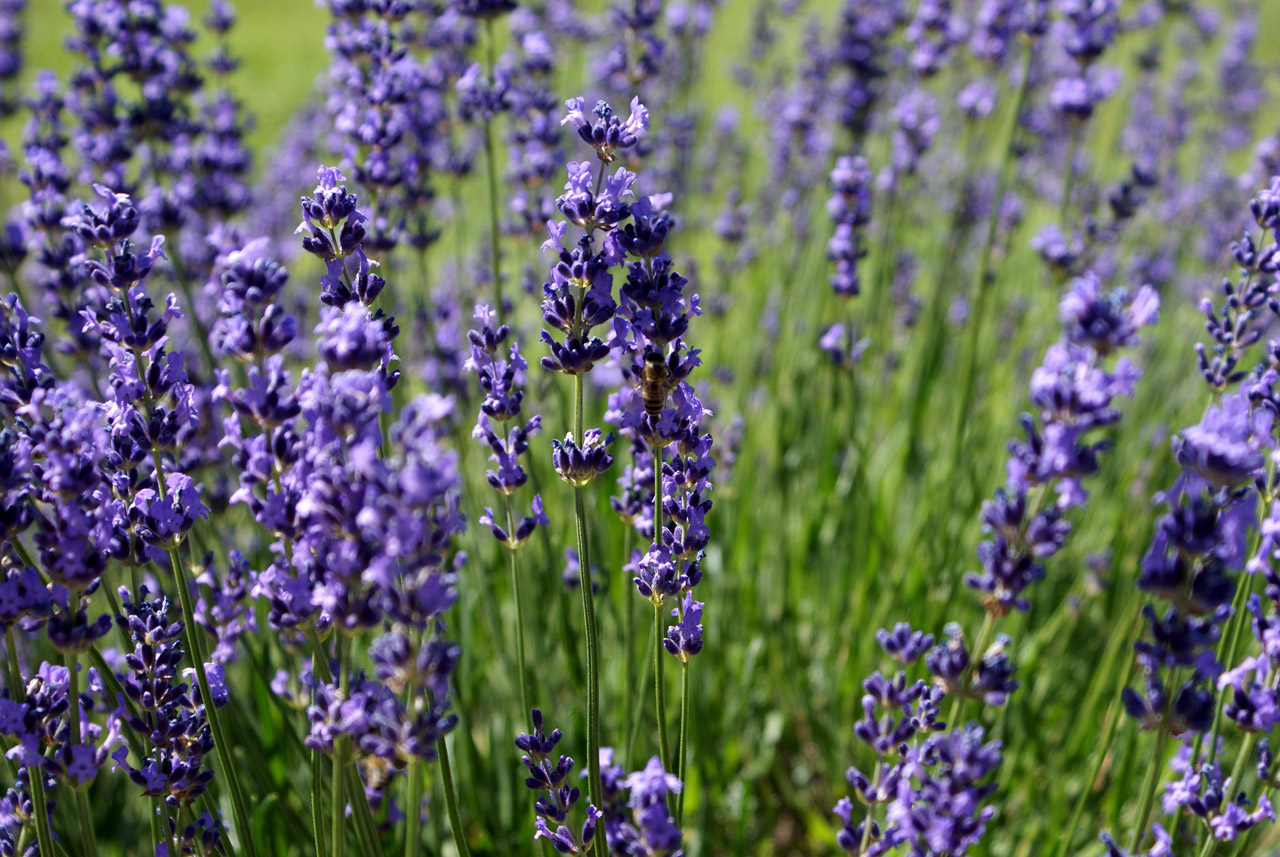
(871, 810)
(683, 752)
(239, 807)
(642, 699)
(39, 804)
(451, 799)
(338, 802)
(659, 690)
(521, 668)
(317, 805)
(588, 615)
(366, 827)
(413, 812)
(1154, 769)
(84, 817)
(156, 839)
(628, 644)
(184, 284)
(1068, 185)
(1227, 648)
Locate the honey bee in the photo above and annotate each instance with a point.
(655, 383)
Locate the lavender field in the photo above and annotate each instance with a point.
(789, 428)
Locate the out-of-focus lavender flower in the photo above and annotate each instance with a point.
(1105, 321)
(866, 29)
(1061, 252)
(850, 210)
(843, 350)
(997, 23)
(915, 123)
(977, 100)
(933, 32)
(1087, 28)
(484, 8)
(11, 33)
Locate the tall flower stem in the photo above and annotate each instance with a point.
(317, 807)
(39, 805)
(683, 753)
(491, 164)
(338, 802)
(871, 811)
(156, 837)
(659, 680)
(188, 294)
(1227, 647)
(85, 818)
(1156, 765)
(182, 583)
(588, 613)
(659, 690)
(521, 669)
(451, 798)
(413, 812)
(637, 712)
(1069, 182)
(628, 646)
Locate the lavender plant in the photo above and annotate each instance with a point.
(242, 610)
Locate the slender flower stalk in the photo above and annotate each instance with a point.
(502, 383)
(451, 799)
(578, 299)
(83, 814)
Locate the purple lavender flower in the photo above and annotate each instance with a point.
(684, 639)
(554, 808)
(172, 719)
(605, 131)
(1074, 395)
(933, 31)
(580, 464)
(850, 210)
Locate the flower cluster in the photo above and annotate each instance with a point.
(931, 781)
(387, 107)
(1072, 391)
(635, 816)
(1194, 566)
(171, 720)
(501, 381)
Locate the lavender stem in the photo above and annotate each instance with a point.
(83, 817)
(451, 799)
